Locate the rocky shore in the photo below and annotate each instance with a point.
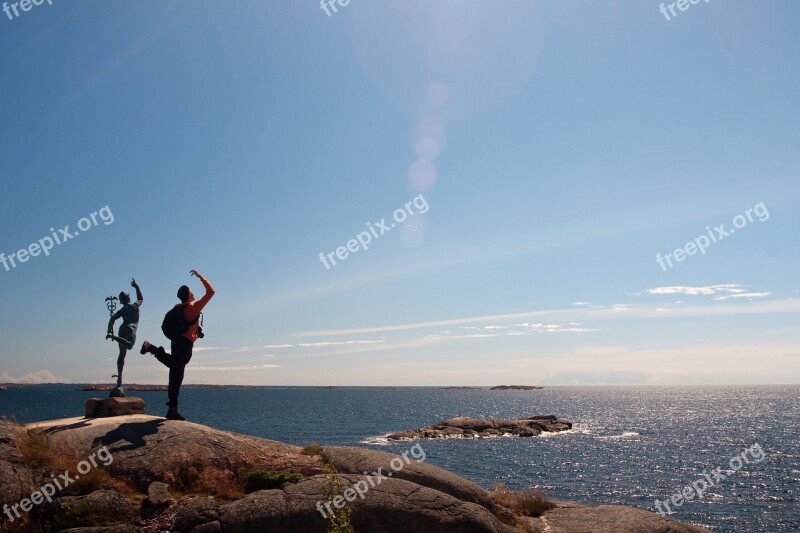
(480, 428)
(165, 475)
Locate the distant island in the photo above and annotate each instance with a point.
(516, 387)
(103, 387)
(464, 427)
(131, 387)
(462, 388)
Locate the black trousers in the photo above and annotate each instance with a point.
(176, 362)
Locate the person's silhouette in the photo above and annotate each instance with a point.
(181, 344)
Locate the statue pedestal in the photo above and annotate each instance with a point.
(103, 408)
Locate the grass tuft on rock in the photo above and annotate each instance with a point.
(528, 502)
(312, 449)
(260, 479)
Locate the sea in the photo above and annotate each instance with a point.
(629, 445)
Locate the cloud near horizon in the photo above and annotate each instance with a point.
(720, 292)
(38, 377)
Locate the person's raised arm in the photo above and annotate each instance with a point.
(139, 298)
(198, 305)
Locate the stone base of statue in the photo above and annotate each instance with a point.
(103, 408)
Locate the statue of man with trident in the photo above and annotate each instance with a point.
(126, 337)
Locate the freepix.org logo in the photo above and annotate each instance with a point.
(55, 484)
(376, 231)
(702, 241)
(682, 5)
(56, 238)
(24, 5)
(328, 5)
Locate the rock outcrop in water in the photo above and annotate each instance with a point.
(463, 427)
(185, 477)
(516, 387)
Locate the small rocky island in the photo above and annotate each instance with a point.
(464, 427)
(516, 387)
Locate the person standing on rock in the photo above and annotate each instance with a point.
(126, 337)
(182, 328)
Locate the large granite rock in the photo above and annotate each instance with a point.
(464, 427)
(16, 481)
(358, 460)
(419, 497)
(392, 506)
(98, 508)
(148, 448)
(108, 407)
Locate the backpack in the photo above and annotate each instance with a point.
(175, 324)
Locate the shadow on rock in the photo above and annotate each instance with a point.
(133, 433)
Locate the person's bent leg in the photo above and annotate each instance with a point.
(161, 354)
(120, 363)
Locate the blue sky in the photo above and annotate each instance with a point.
(558, 148)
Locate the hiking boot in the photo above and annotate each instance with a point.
(173, 414)
(147, 348)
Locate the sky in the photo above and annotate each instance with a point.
(517, 172)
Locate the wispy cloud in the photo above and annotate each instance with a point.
(524, 328)
(337, 343)
(234, 350)
(232, 368)
(583, 314)
(709, 290)
(720, 292)
(744, 295)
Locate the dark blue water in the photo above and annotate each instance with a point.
(631, 445)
